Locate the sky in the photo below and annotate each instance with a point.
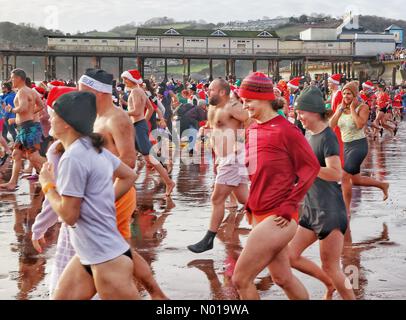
(86, 15)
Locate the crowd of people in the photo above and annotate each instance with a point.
(288, 151)
(399, 54)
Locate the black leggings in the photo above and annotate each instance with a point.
(89, 269)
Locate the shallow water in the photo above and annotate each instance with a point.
(162, 229)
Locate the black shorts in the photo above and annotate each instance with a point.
(323, 223)
(354, 154)
(142, 143)
(89, 269)
(384, 110)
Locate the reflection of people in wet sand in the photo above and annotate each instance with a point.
(351, 261)
(229, 233)
(31, 267)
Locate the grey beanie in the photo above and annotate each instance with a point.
(78, 109)
(311, 100)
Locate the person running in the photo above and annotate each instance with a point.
(114, 125)
(83, 197)
(324, 215)
(282, 167)
(9, 117)
(383, 101)
(28, 141)
(137, 103)
(351, 117)
(224, 119)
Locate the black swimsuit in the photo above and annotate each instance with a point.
(89, 269)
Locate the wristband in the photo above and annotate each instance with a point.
(48, 186)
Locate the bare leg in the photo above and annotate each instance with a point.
(358, 180)
(303, 239)
(346, 186)
(17, 164)
(36, 160)
(75, 283)
(330, 253)
(170, 184)
(142, 272)
(265, 242)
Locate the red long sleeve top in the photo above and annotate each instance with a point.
(281, 165)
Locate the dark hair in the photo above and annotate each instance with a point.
(28, 82)
(19, 73)
(149, 87)
(278, 103)
(327, 114)
(7, 85)
(97, 141)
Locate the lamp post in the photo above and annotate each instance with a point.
(33, 71)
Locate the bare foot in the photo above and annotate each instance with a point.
(169, 188)
(329, 293)
(8, 186)
(385, 191)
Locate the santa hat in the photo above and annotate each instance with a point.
(56, 92)
(294, 83)
(368, 85)
(40, 90)
(277, 90)
(335, 78)
(55, 83)
(202, 95)
(133, 76)
(199, 86)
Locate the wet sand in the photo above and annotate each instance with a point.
(162, 229)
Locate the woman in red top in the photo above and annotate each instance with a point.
(282, 167)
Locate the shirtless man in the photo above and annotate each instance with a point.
(27, 104)
(117, 130)
(137, 103)
(225, 117)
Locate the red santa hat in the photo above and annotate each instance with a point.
(199, 86)
(368, 85)
(40, 90)
(56, 92)
(202, 95)
(133, 76)
(294, 83)
(55, 83)
(276, 89)
(335, 78)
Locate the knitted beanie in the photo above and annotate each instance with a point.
(78, 109)
(353, 86)
(311, 100)
(257, 86)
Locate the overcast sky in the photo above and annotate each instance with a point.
(86, 15)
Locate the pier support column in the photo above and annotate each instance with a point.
(254, 65)
(120, 66)
(166, 70)
(227, 67)
(211, 70)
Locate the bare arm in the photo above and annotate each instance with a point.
(68, 208)
(360, 118)
(332, 171)
(23, 104)
(39, 104)
(125, 179)
(237, 112)
(124, 141)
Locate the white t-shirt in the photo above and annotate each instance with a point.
(85, 173)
